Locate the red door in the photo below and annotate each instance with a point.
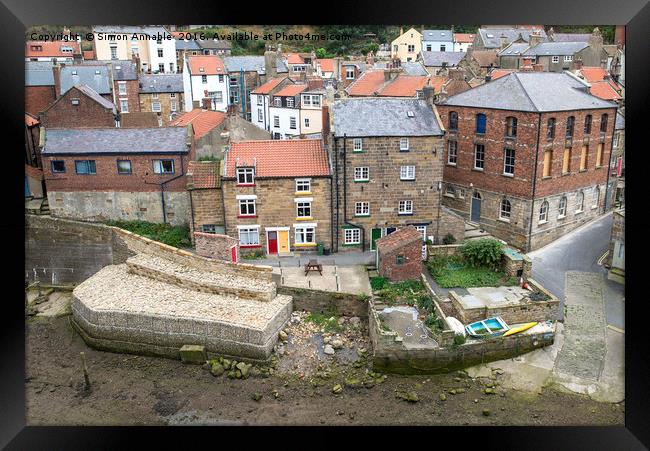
(233, 254)
(273, 242)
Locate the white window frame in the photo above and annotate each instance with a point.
(172, 105)
(161, 68)
(357, 145)
(568, 58)
(204, 79)
(505, 161)
(315, 100)
(154, 95)
(476, 159)
(247, 203)
(410, 48)
(301, 183)
(352, 236)
(580, 205)
(260, 116)
(543, 213)
(362, 208)
(172, 95)
(407, 173)
(403, 144)
(158, 166)
(555, 59)
(153, 107)
(303, 207)
(596, 198)
(290, 102)
(505, 214)
(124, 103)
(247, 173)
(450, 154)
(121, 88)
(306, 122)
(277, 101)
(260, 100)
(359, 174)
(306, 100)
(301, 234)
(250, 232)
(293, 123)
(276, 121)
(461, 193)
(405, 207)
(349, 74)
(423, 230)
(562, 207)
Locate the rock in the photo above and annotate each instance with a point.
(475, 401)
(255, 372)
(336, 343)
(489, 391)
(257, 396)
(341, 320)
(329, 350)
(193, 354)
(226, 363)
(353, 382)
(326, 340)
(460, 390)
(442, 397)
(283, 335)
(355, 321)
(217, 369)
(232, 374)
(276, 394)
(409, 396)
(244, 368)
(337, 389)
(486, 412)
(452, 391)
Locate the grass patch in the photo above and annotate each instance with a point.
(452, 272)
(326, 321)
(176, 236)
(409, 292)
(253, 255)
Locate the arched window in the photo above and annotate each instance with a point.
(562, 207)
(603, 123)
(453, 120)
(587, 124)
(481, 122)
(596, 197)
(570, 121)
(580, 201)
(506, 209)
(511, 126)
(550, 129)
(543, 212)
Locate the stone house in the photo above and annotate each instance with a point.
(527, 156)
(350, 71)
(185, 47)
(617, 166)
(245, 74)
(399, 255)
(616, 256)
(277, 195)
(95, 76)
(214, 47)
(118, 173)
(162, 94)
(478, 63)
(206, 197)
(407, 46)
(40, 91)
(80, 107)
(437, 41)
(388, 160)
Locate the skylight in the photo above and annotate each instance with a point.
(410, 114)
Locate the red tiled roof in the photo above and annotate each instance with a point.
(404, 86)
(202, 121)
(463, 37)
(604, 90)
(592, 74)
(205, 174)
(268, 86)
(33, 172)
(294, 58)
(367, 84)
(498, 73)
(89, 55)
(30, 120)
(279, 158)
(48, 49)
(436, 82)
(398, 239)
(211, 64)
(326, 64)
(291, 90)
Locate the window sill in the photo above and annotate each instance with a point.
(561, 217)
(599, 167)
(302, 193)
(478, 169)
(542, 222)
(358, 151)
(305, 244)
(361, 181)
(547, 177)
(451, 164)
(565, 174)
(246, 184)
(505, 174)
(247, 216)
(404, 214)
(351, 244)
(453, 196)
(593, 207)
(249, 246)
(406, 180)
(582, 170)
(305, 218)
(579, 211)
(404, 150)
(504, 220)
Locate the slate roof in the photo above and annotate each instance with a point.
(95, 76)
(90, 92)
(398, 239)
(38, 73)
(514, 49)
(414, 68)
(492, 36)
(384, 117)
(437, 35)
(190, 44)
(555, 48)
(213, 44)
(205, 174)
(151, 83)
(485, 57)
(279, 158)
(571, 37)
(435, 59)
(620, 122)
(248, 63)
(124, 70)
(115, 141)
(130, 29)
(530, 91)
(202, 121)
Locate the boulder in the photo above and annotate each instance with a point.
(337, 389)
(355, 321)
(217, 369)
(329, 350)
(283, 335)
(194, 354)
(337, 343)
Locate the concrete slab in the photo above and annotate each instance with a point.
(57, 304)
(346, 279)
(404, 320)
(492, 297)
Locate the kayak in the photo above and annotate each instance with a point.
(520, 328)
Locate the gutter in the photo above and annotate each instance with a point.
(532, 209)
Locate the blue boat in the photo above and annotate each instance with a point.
(491, 327)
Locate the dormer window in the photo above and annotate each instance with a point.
(74, 72)
(245, 176)
(290, 102)
(97, 72)
(201, 69)
(410, 114)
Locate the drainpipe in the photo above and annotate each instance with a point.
(336, 175)
(532, 206)
(162, 188)
(609, 165)
(345, 196)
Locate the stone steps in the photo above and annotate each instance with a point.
(163, 270)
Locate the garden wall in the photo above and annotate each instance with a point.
(509, 264)
(326, 301)
(392, 356)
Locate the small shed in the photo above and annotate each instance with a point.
(217, 246)
(399, 255)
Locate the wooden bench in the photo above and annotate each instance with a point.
(313, 265)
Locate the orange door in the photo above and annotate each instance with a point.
(283, 241)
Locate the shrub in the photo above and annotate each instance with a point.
(449, 239)
(485, 252)
(459, 340)
(176, 236)
(209, 158)
(378, 283)
(425, 302)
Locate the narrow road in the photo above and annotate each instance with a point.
(580, 250)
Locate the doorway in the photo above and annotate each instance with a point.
(475, 215)
(272, 241)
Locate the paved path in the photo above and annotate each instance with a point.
(339, 259)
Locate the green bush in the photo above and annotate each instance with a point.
(378, 283)
(209, 158)
(449, 239)
(253, 255)
(459, 340)
(450, 272)
(484, 252)
(176, 236)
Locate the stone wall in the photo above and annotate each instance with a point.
(165, 100)
(451, 223)
(443, 250)
(511, 266)
(392, 356)
(213, 245)
(347, 304)
(207, 208)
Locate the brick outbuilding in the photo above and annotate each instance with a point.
(399, 255)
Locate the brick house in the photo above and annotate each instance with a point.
(162, 94)
(96, 76)
(617, 165)
(527, 156)
(185, 47)
(206, 197)
(32, 137)
(276, 195)
(40, 91)
(125, 85)
(399, 255)
(80, 107)
(388, 161)
(118, 173)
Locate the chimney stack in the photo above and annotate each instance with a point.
(56, 73)
(504, 41)
(527, 65)
(270, 63)
(534, 39)
(136, 60)
(538, 68)
(429, 94)
(577, 63)
(370, 60)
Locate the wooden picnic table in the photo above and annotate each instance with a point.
(313, 265)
